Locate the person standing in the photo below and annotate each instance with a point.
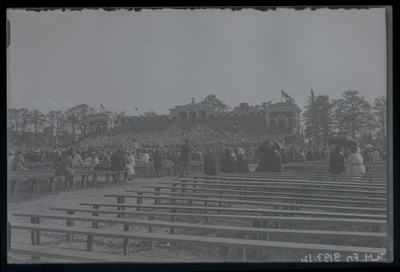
(276, 161)
(130, 165)
(106, 160)
(210, 163)
(158, 158)
(185, 159)
(10, 160)
(336, 162)
(227, 162)
(354, 162)
(117, 163)
(242, 162)
(19, 162)
(284, 155)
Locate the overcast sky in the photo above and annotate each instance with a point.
(156, 59)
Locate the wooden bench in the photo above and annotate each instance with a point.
(280, 187)
(234, 213)
(258, 181)
(305, 176)
(209, 228)
(127, 234)
(140, 196)
(249, 195)
(77, 256)
(327, 198)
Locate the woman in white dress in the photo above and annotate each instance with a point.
(130, 164)
(354, 163)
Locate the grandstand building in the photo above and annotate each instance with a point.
(278, 117)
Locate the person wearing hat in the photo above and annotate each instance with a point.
(66, 165)
(242, 165)
(19, 162)
(336, 161)
(117, 162)
(227, 162)
(10, 159)
(185, 159)
(129, 165)
(276, 161)
(107, 160)
(158, 159)
(210, 163)
(145, 157)
(354, 162)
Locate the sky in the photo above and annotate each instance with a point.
(157, 59)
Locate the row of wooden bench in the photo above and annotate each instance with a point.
(256, 234)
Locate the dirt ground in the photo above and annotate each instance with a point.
(140, 252)
(41, 202)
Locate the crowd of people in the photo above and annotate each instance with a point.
(216, 157)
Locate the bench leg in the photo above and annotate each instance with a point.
(35, 237)
(126, 241)
(70, 223)
(34, 185)
(120, 200)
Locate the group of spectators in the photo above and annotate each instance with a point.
(218, 156)
(229, 130)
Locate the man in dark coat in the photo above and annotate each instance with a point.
(185, 159)
(336, 162)
(310, 155)
(227, 162)
(276, 162)
(158, 158)
(264, 163)
(210, 163)
(291, 155)
(242, 165)
(284, 155)
(117, 162)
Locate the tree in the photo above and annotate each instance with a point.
(368, 121)
(82, 111)
(320, 113)
(37, 119)
(338, 105)
(212, 100)
(56, 121)
(380, 111)
(150, 114)
(71, 117)
(24, 119)
(12, 122)
(243, 106)
(352, 115)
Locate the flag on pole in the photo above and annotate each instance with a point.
(101, 105)
(285, 95)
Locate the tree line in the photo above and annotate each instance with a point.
(350, 115)
(322, 118)
(35, 128)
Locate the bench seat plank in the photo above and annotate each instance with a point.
(210, 241)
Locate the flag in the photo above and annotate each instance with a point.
(285, 95)
(101, 105)
(135, 109)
